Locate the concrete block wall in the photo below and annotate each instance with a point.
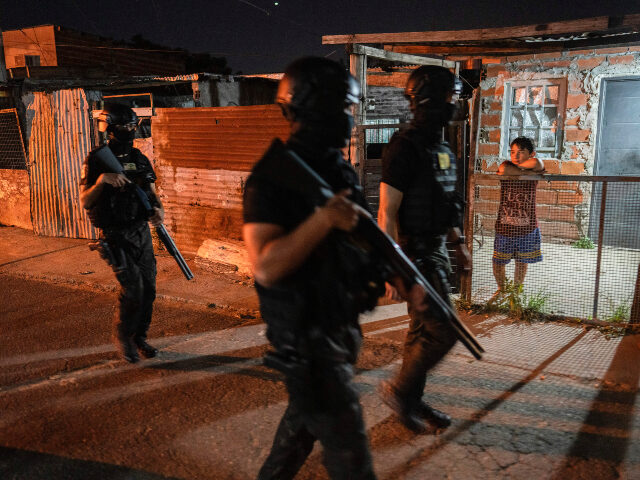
(561, 205)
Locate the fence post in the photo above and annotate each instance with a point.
(603, 205)
(635, 306)
(466, 277)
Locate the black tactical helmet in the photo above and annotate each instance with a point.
(431, 82)
(316, 86)
(116, 114)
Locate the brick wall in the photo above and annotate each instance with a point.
(560, 204)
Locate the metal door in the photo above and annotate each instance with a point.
(618, 154)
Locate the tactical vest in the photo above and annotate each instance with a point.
(430, 205)
(339, 280)
(119, 208)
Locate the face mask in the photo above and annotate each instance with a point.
(124, 135)
(335, 130)
(435, 117)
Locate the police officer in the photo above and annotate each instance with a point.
(125, 241)
(420, 209)
(311, 281)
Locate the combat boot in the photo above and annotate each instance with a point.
(128, 349)
(435, 417)
(409, 417)
(147, 351)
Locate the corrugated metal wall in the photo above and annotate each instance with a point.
(59, 140)
(203, 156)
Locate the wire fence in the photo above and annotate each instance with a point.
(572, 242)
(12, 154)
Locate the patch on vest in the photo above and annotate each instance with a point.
(129, 166)
(444, 160)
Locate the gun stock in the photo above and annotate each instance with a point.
(288, 170)
(110, 162)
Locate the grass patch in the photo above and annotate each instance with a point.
(584, 242)
(513, 301)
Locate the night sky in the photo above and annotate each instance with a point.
(259, 36)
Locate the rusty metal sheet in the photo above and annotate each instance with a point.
(59, 140)
(230, 138)
(203, 157)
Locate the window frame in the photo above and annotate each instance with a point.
(509, 88)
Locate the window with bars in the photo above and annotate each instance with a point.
(535, 109)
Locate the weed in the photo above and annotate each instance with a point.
(584, 242)
(620, 313)
(513, 301)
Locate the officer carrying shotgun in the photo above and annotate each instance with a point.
(114, 207)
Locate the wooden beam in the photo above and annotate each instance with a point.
(469, 50)
(399, 57)
(596, 24)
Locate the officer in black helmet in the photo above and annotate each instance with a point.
(311, 282)
(125, 241)
(420, 209)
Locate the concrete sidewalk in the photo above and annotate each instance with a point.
(69, 261)
(548, 400)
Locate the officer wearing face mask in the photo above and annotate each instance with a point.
(420, 209)
(311, 282)
(125, 241)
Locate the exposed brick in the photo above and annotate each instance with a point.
(494, 182)
(551, 165)
(558, 64)
(485, 207)
(577, 101)
(494, 70)
(489, 168)
(519, 58)
(575, 153)
(570, 198)
(575, 85)
(572, 168)
(635, 48)
(489, 193)
(489, 91)
(578, 52)
(549, 55)
(499, 90)
(573, 121)
(577, 135)
(495, 106)
(589, 63)
(491, 120)
(621, 59)
(613, 50)
(551, 213)
(489, 61)
(547, 197)
(563, 185)
(559, 230)
(485, 149)
(494, 135)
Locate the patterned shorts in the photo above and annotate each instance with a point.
(524, 249)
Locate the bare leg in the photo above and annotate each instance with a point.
(519, 274)
(499, 274)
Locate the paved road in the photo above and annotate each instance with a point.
(548, 401)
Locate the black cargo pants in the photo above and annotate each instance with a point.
(429, 337)
(324, 406)
(136, 273)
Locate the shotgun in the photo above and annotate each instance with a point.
(286, 169)
(111, 163)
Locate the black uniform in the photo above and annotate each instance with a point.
(312, 322)
(123, 222)
(423, 168)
